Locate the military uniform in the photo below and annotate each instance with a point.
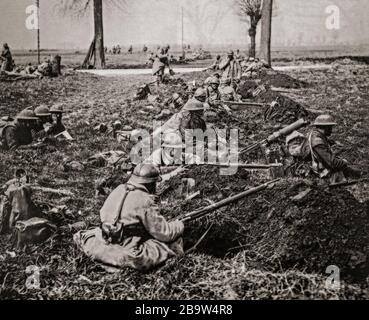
(7, 59)
(227, 93)
(323, 160)
(147, 239)
(231, 69)
(14, 135)
(212, 96)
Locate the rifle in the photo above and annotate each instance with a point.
(347, 183)
(191, 216)
(250, 166)
(276, 135)
(243, 103)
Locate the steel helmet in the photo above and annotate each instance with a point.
(172, 140)
(230, 53)
(214, 80)
(56, 108)
(26, 114)
(42, 111)
(145, 173)
(193, 105)
(200, 93)
(324, 121)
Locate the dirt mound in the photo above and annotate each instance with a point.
(323, 228)
(282, 80)
(286, 111)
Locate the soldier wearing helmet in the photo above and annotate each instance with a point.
(192, 117)
(212, 92)
(133, 233)
(171, 151)
(58, 126)
(44, 122)
(231, 68)
(19, 132)
(161, 61)
(324, 162)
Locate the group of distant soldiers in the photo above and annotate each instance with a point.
(30, 126)
(50, 67)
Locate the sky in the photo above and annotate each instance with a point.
(206, 22)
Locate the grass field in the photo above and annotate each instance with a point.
(206, 274)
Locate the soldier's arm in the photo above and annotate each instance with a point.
(159, 228)
(328, 159)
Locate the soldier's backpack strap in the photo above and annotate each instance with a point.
(316, 164)
(113, 232)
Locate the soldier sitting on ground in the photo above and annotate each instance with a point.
(133, 233)
(19, 132)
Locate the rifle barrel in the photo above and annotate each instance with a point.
(204, 211)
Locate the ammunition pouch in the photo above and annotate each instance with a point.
(116, 234)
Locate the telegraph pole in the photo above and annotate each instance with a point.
(38, 32)
(183, 49)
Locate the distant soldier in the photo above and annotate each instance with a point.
(44, 69)
(133, 233)
(130, 50)
(160, 63)
(144, 49)
(231, 68)
(6, 59)
(238, 55)
(118, 49)
(216, 63)
(19, 132)
(212, 92)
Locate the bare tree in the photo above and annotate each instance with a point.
(250, 11)
(205, 16)
(79, 7)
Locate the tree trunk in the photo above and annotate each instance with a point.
(99, 35)
(266, 31)
(252, 34)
